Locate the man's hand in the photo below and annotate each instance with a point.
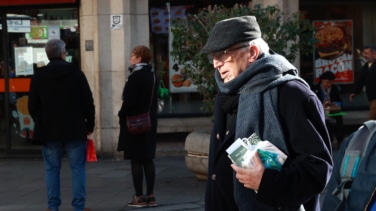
(251, 178)
(326, 104)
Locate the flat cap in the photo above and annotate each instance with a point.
(230, 31)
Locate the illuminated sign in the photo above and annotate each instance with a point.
(33, 2)
(18, 25)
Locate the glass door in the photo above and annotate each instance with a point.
(27, 33)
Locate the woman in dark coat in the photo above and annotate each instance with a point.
(139, 96)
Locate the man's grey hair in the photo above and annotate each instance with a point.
(54, 48)
(261, 44)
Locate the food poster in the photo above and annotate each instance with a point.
(333, 50)
(23, 61)
(179, 80)
(25, 124)
(160, 18)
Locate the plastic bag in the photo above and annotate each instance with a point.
(91, 154)
(163, 92)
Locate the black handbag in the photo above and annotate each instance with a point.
(140, 124)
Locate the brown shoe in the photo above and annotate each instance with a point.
(87, 209)
(138, 201)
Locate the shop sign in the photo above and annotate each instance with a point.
(33, 2)
(333, 50)
(116, 22)
(18, 25)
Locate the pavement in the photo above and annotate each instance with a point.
(109, 183)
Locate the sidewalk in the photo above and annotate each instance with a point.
(109, 186)
(109, 183)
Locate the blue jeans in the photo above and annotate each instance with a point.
(52, 155)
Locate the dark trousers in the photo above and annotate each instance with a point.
(335, 128)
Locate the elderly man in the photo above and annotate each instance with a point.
(260, 92)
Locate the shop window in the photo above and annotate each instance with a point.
(28, 30)
(184, 98)
(361, 17)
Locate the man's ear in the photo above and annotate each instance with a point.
(254, 53)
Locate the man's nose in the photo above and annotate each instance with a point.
(217, 63)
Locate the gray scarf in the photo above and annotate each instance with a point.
(258, 101)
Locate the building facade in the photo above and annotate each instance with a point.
(100, 35)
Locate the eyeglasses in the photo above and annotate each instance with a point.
(222, 55)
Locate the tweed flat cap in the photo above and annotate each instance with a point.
(230, 31)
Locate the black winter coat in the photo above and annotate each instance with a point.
(302, 129)
(367, 78)
(61, 103)
(136, 100)
(219, 187)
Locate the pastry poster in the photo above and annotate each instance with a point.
(333, 50)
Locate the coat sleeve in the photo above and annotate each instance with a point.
(87, 103)
(34, 103)
(362, 79)
(308, 167)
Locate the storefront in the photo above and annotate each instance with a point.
(25, 27)
(184, 99)
(355, 21)
(358, 16)
(100, 36)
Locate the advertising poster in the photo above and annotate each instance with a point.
(333, 50)
(40, 57)
(53, 32)
(178, 78)
(39, 32)
(23, 60)
(160, 18)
